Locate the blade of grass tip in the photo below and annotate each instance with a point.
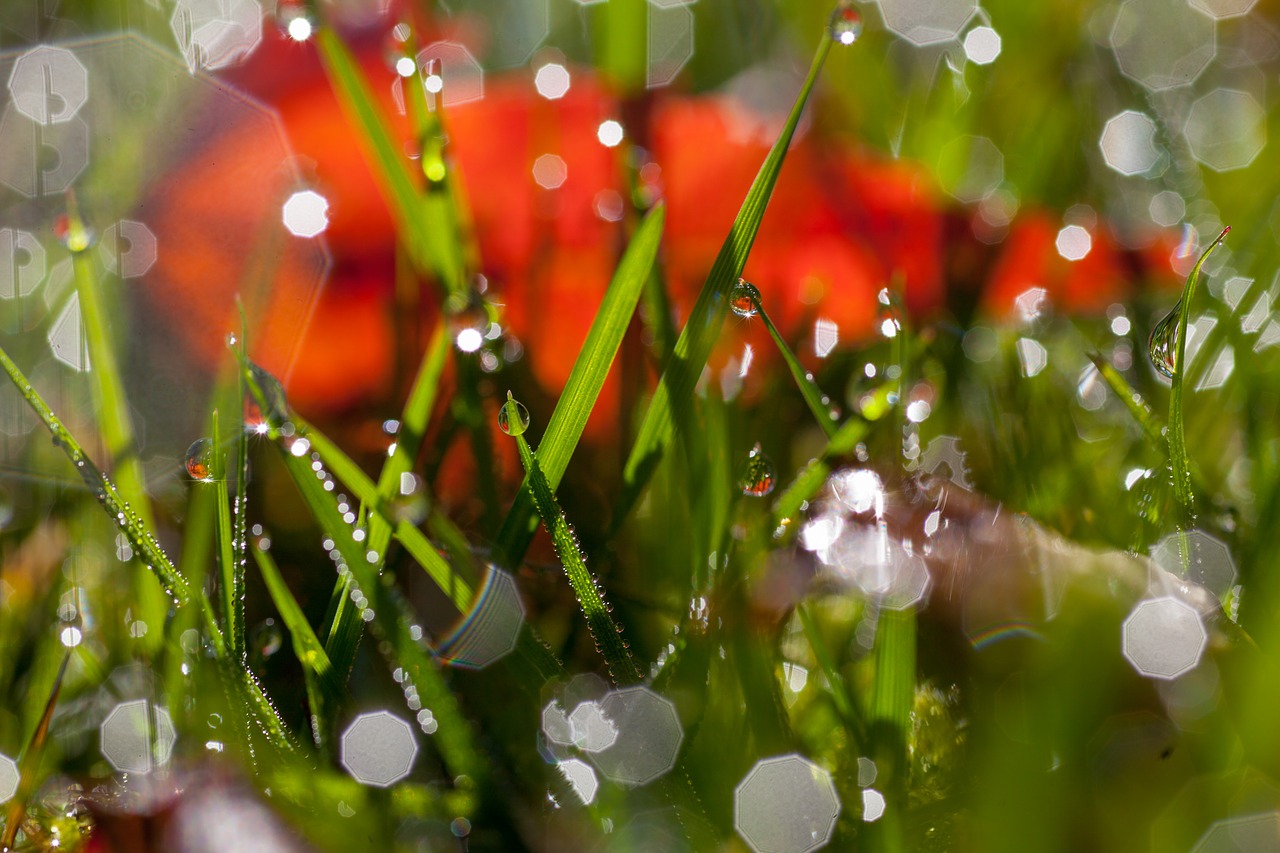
(889, 717)
(674, 393)
(587, 377)
(413, 425)
(114, 420)
(29, 763)
(324, 689)
(1179, 459)
(607, 634)
(818, 404)
(384, 153)
(230, 573)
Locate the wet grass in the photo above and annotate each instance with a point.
(998, 712)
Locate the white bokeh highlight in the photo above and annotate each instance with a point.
(378, 749)
(306, 214)
(785, 805)
(1163, 637)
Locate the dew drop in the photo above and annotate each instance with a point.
(72, 233)
(845, 25)
(513, 417)
(758, 477)
(267, 639)
(273, 394)
(745, 299)
(199, 460)
(1162, 345)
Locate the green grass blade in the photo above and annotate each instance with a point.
(607, 634)
(29, 763)
(585, 381)
(147, 548)
(230, 571)
(114, 419)
(889, 719)
(813, 396)
(841, 696)
(385, 155)
(460, 590)
(138, 533)
(413, 425)
(324, 688)
(674, 394)
(812, 477)
(1179, 458)
(1141, 412)
(390, 620)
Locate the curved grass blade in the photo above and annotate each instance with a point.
(590, 370)
(607, 633)
(1179, 459)
(673, 397)
(812, 394)
(392, 624)
(29, 763)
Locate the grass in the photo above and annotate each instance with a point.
(485, 596)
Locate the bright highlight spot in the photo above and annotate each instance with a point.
(300, 29)
(552, 81)
(609, 133)
(982, 45)
(1073, 242)
(306, 213)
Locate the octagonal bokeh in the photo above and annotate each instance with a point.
(1164, 637)
(786, 805)
(378, 749)
(1161, 44)
(181, 180)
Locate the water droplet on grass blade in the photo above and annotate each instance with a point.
(758, 476)
(72, 233)
(513, 417)
(199, 460)
(267, 639)
(1162, 346)
(845, 24)
(745, 299)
